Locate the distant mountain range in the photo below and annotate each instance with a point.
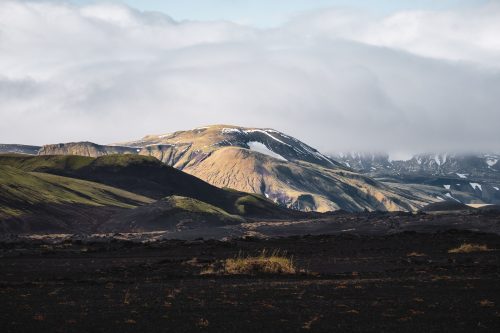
(295, 175)
(477, 175)
(476, 165)
(20, 149)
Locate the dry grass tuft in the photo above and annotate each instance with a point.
(272, 263)
(468, 248)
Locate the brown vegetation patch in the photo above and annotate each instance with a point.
(275, 262)
(469, 248)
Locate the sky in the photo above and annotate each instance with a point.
(271, 13)
(400, 76)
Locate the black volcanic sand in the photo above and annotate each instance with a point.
(404, 282)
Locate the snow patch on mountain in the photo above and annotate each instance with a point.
(261, 148)
(476, 186)
(448, 195)
(462, 175)
(440, 159)
(231, 130)
(266, 133)
(491, 161)
(300, 148)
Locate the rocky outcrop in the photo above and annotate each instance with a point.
(85, 149)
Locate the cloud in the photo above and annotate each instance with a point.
(468, 34)
(412, 81)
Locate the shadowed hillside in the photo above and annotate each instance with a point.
(43, 202)
(145, 176)
(76, 193)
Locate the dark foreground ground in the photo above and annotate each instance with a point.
(404, 282)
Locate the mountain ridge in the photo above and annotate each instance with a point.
(284, 169)
(266, 162)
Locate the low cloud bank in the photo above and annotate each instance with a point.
(339, 80)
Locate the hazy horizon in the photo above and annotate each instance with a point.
(406, 77)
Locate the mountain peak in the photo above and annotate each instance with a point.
(267, 141)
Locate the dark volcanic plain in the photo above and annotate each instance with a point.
(394, 282)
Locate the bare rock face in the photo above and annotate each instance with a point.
(85, 149)
(170, 154)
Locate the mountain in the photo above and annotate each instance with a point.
(470, 178)
(276, 165)
(285, 170)
(181, 148)
(475, 165)
(85, 194)
(20, 149)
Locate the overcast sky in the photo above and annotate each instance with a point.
(271, 13)
(404, 76)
